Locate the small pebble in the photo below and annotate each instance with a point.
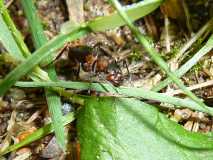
(66, 108)
(52, 150)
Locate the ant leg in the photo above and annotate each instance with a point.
(127, 68)
(117, 66)
(94, 67)
(60, 53)
(107, 52)
(128, 72)
(78, 71)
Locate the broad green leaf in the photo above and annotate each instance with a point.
(119, 129)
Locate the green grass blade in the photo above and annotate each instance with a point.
(53, 100)
(54, 107)
(114, 20)
(37, 57)
(47, 129)
(134, 12)
(125, 91)
(156, 56)
(188, 65)
(7, 40)
(37, 73)
(36, 28)
(207, 27)
(16, 34)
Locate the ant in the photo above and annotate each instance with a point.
(93, 59)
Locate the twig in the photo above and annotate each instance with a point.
(76, 11)
(9, 3)
(187, 14)
(167, 37)
(191, 88)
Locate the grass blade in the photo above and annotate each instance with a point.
(188, 65)
(53, 100)
(155, 56)
(22, 49)
(37, 74)
(54, 107)
(16, 34)
(114, 20)
(125, 91)
(187, 45)
(134, 12)
(8, 41)
(37, 57)
(36, 28)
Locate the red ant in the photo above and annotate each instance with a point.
(94, 59)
